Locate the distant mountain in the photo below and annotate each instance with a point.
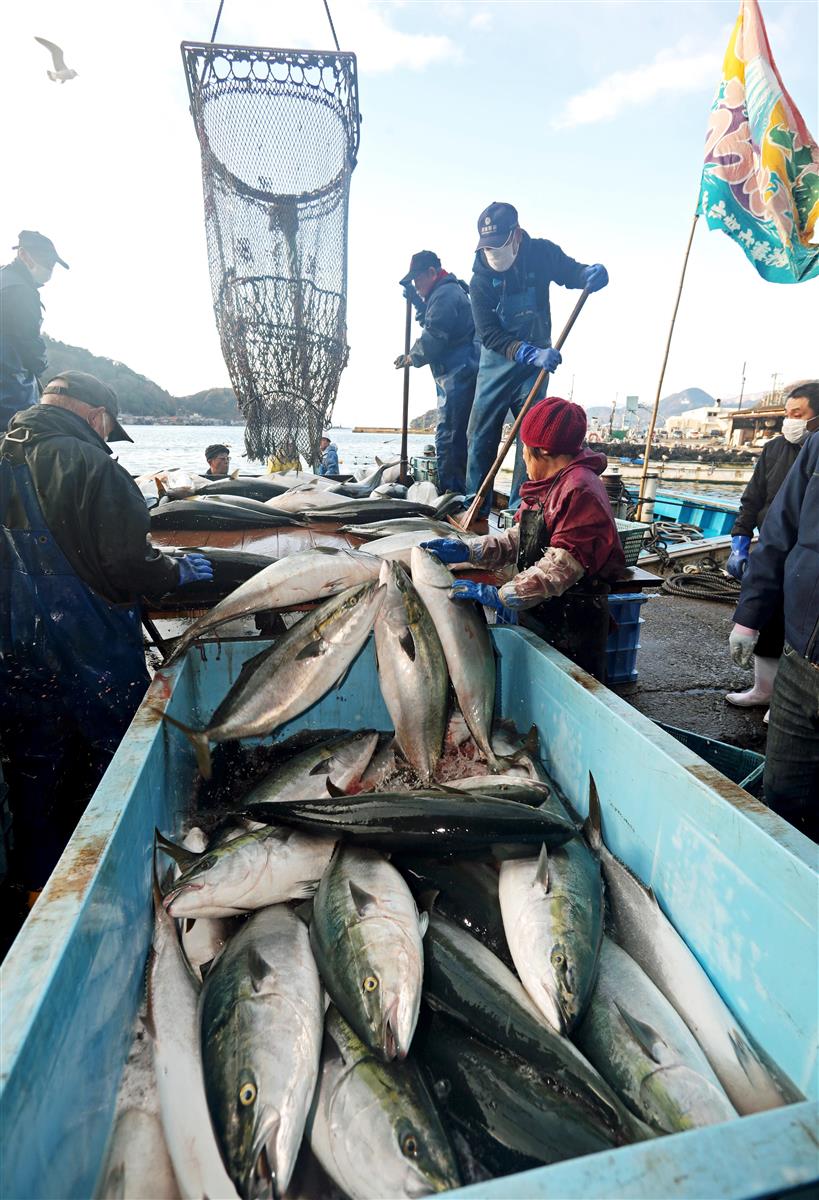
(139, 396)
(670, 406)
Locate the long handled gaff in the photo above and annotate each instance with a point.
(404, 477)
(485, 487)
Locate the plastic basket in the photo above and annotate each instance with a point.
(425, 469)
(744, 767)
(631, 538)
(506, 518)
(623, 644)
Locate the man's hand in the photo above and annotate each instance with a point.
(448, 550)
(738, 558)
(195, 568)
(403, 360)
(595, 277)
(742, 642)
(480, 593)
(533, 356)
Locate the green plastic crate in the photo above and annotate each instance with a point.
(744, 767)
(425, 469)
(631, 538)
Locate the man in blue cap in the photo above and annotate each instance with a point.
(22, 349)
(510, 303)
(447, 346)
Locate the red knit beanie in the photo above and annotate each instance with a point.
(554, 425)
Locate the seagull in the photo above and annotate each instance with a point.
(61, 71)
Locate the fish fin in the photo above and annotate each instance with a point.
(426, 901)
(327, 550)
(592, 826)
(305, 889)
(332, 790)
(198, 739)
(644, 1035)
(321, 768)
(258, 969)
(542, 869)
(364, 902)
(407, 643)
(313, 649)
(182, 857)
(423, 923)
(531, 743)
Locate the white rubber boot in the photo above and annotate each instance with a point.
(760, 694)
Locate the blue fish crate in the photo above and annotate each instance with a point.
(624, 642)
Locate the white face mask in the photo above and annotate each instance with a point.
(794, 430)
(502, 258)
(39, 274)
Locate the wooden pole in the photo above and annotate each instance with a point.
(404, 476)
(513, 433)
(654, 411)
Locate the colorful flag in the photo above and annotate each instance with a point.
(760, 182)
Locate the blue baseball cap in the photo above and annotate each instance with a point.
(495, 225)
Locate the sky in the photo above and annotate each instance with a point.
(589, 117)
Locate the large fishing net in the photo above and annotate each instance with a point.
(278, 131)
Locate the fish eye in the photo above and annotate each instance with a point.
(409, 1146)
(558, 959)
(247, 1093)
(370, 983)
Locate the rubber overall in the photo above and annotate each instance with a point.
(502, 385)
(18, 384)
(72, 674)
(576, 623)
(454, 379)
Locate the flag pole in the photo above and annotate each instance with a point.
(653, 421)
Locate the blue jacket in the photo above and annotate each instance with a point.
(22, 349)
(538, 264)
(786, 560)
(329, 461)
(446, 317)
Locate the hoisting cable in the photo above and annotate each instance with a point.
(332, 26)
(218, 18)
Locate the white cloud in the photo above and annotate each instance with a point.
(676, 70)
(481, 21)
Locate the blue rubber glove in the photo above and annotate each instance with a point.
(195, 568)
(447, 550)
(533, 356)
(738, 558)
(595, 277)
(481, 593)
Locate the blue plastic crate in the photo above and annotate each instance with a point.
(623, 644)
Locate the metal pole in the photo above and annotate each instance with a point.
(653, 420)
(513, 432)
(405, 415)
(742, 389)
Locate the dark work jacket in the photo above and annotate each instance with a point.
(90, 503)
(538, 264)
(773, 464)
(447, 322)
(22, 349)
(785, 563)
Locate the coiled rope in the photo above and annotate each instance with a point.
(703, 581)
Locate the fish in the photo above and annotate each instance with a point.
(256, 869)
(262, 1016)
(215, 513)
(398, 547)
(644, 1049)
(524, 754)
(231, 569)
(467, 647)
(425, 491)
(264, 487)
(303, 497)
(202, 940)
(511, 786)
(423, 822)
(374, 1126)
(137, 1164)
(366, 935)
(382, 765)
(292, 674)
(466, 982)
(752, 1081)
(383, 473)
(297, 579)
(465, 893)
(172, 1022)
(552, 909)
(341, 761)
(412, 672)
(384, 529)
(375, 508)
(501, 1103)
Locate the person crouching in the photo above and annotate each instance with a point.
(565, 542)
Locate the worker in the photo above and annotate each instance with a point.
(22, 349)
(565, 543)
(510, 303)
(777, 457)
(74, 560)
(784, 570)
(218, 459)
(329, 456)
(447, 346)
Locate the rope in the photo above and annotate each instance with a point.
(703, 582)
(218, 19)
(332, 26)
(661, 533)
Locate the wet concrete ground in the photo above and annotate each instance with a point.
(685, 670)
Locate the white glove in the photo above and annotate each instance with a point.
(742, 642)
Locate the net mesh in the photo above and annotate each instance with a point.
(278, 132)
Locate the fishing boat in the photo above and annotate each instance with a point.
(737, 881)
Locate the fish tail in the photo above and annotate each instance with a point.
(592, 826)
(197, 738)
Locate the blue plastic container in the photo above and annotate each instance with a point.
(739, 883)
(623, 644)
